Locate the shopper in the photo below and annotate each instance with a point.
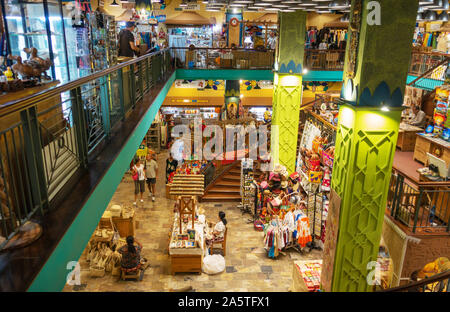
(139, 180)
(419, 119)
(151, 171)
(131, 254)
(217, 235)
(126, 41)
(171, 166)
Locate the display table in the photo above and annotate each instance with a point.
(306, 275)
(407, 137)
(186, 259)
(425, 144)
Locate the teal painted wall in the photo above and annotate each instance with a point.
(52, 277)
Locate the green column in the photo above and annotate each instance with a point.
(376, 66)
(287, 93)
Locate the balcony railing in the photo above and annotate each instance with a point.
(422, 207)
(316, 59)
(227, 58)
(48, 137)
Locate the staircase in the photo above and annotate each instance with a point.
(226, 188)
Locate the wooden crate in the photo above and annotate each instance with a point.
(126, 227)
(186, 263)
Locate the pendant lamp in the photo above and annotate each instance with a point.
(114, 3)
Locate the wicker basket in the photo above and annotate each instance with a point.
(97, 271)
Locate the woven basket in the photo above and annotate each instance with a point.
(97, 271)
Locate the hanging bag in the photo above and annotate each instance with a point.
(135, 175)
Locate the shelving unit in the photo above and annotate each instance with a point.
(153, 137)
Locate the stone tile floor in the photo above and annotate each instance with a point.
(247, 266)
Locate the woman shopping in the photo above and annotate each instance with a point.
(138, 174)
(218, 232)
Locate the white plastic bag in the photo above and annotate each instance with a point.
(213, 264)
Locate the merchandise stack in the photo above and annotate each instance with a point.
(247, 186)
(306, 275)
(441, 115)
(154, 137)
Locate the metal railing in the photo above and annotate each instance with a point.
(423, 207)
(436, 283)
(430, 69)
(227, 58)
(47, 137)
(316, 59)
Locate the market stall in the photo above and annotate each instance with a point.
(190, 29)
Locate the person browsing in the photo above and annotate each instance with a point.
(419, 119)
(126, 41)
(151, 172)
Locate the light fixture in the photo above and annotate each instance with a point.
(420, 17)
(305, 71)
(263, 4)
(443, 17)
(114, 3)
(385, 108)
(241, 96)
(425, 2)
(430, 15)
(240, 81)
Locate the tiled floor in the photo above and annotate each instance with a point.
(247, 266)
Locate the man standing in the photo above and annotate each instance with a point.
(126, 41)
(151, 171)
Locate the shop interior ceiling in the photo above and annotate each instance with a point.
(428, 9)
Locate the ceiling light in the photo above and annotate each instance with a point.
(443, 17)
(114, 3)
(384, 108)
(430, 15)
(425, 2)
(263, 4)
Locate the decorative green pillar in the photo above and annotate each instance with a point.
(287, 93)
(232, 98)
(376, 66)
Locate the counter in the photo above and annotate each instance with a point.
(187, 259)
(406, 141)
(426, 144)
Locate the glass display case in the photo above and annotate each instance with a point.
(37, 24)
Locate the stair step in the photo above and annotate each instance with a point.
(224, 190)
(231, 178)
(227, 184)
(223, 198)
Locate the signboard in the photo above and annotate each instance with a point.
(198, 84)
(331, 235)
(192, 7)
